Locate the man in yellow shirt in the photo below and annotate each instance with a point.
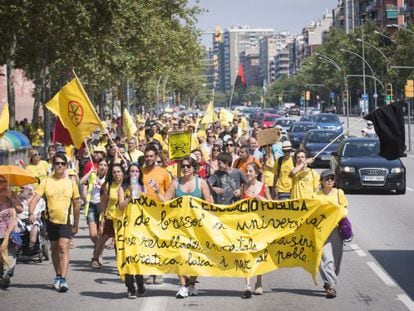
(305, 180)
(282, 182)
(133, 153)
(62, 195)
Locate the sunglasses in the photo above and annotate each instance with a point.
(329, 178)
(229, 145)
(186, 166)
(36, 154)
(60, 163)
(159, 162)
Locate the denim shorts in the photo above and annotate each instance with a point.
(93, 213)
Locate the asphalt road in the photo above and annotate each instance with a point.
(377, 273)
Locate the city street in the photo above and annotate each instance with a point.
(377, 272)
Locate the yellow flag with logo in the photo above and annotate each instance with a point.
(4, 119)
(74, 109)
(128, 125)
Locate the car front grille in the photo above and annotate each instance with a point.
(373, 176)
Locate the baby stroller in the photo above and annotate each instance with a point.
(40, 249)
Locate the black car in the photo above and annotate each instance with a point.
(358, 166)
(315, 140)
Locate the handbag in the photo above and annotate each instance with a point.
(16, 238)
(345, 229)
(345, 226)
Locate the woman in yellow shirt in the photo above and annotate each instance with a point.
(112, 192)
(39, 168)
(305, 181)
(334, 245)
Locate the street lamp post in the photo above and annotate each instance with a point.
(332, 62)
(364, 76)
(363, 71)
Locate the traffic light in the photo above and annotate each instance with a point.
(389, 91)
(307, 97)
(302, 95)
(409, 89)
(217, 34)
(345, 96)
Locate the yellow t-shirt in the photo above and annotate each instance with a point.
(284, 182)
(336, 196)
(40, 170)
(59, 194)
(111, 210)
(133, 156)
(304, 184)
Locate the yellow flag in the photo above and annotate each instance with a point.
(128, 125)
(210, 115)
(226, 116)
(74, 109)
(4, 119)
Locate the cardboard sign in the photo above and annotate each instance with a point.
(268, 136)
(179, 145)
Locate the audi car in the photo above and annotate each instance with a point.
(358, 166)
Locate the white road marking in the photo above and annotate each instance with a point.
(154, 304)
(381, 274)
(406, 301)
(357, 250)
(409, 189)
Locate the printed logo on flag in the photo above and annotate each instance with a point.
(75, 112)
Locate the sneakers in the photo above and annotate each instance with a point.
(158, 279)
(182, 292)
(192, 291)
(5, 281)
(150, 280)
(247, 292)
(95, 264)
(141, 289)
(258, 290)
(56, 282)
(132, 295)
(63, 286)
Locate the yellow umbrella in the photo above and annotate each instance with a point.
(16, 176)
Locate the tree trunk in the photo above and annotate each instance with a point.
(36, 104)
(11, 98)
(10, 83)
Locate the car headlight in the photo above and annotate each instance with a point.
(295, 138)
(347, 169)
(397, 170)
(339, 127)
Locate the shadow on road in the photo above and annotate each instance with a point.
(302, 292)
(104, 295)
(399, 265)
(38, 286)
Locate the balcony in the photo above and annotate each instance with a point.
(373, 6)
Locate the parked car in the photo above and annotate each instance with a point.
(298, 130)
(294, 110)
(315, 111)
(268, 120)
(358, 166)
(315, 140)
(329, 121)
(307, 118)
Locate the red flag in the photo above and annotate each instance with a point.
(240, 80)
(61, 134)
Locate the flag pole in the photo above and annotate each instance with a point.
(231, 96)
(89, 150)
(337, 137)
(86, 95)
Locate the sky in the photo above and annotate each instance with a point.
(281, 15)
